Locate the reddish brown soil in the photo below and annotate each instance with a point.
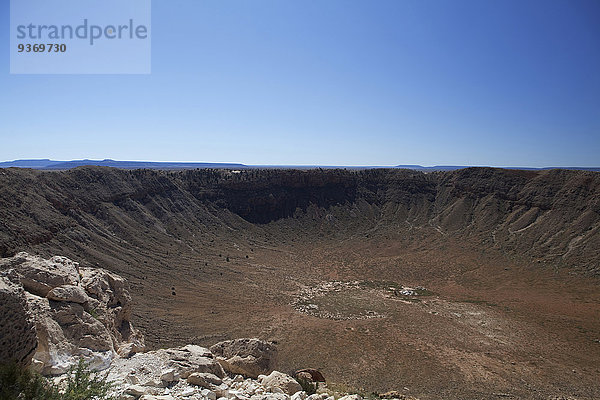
(492, 327)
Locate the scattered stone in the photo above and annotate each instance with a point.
(305, 301)
(351, 397)
(299, 396)
(270, 396)
(392, 394)
(153, 383)
(562, 398)
(126, 350)
(136, 390)
(170, 375)
(165, 367)
(222, 390)
(188, 392)
(206, 380)
(209, 394)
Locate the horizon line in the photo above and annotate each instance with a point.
(52, 163)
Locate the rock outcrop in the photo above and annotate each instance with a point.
(69, 311)
(18, 339)
(248, 357)
(111, 305)
(39, 276)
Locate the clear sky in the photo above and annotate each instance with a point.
(330, 82)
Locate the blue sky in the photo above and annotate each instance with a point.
(502, 83)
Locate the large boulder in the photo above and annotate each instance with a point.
(191, 358)
(281, 381)
(77, 312)
(69, 293)
(18, 340)
(248, 356)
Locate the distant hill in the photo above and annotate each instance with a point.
(46, 164)
(457, 167)
(35, 164)
(64, 165)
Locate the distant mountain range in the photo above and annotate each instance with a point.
(47, 164)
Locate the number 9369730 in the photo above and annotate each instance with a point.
(42, 48)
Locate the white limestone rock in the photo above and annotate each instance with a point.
(39, 275)
(351, 397)
(136, 390)
(204, 379)
(77, 312)
(278, 380)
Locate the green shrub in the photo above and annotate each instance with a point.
(82, 384)
(18, 383)
(94, 313)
